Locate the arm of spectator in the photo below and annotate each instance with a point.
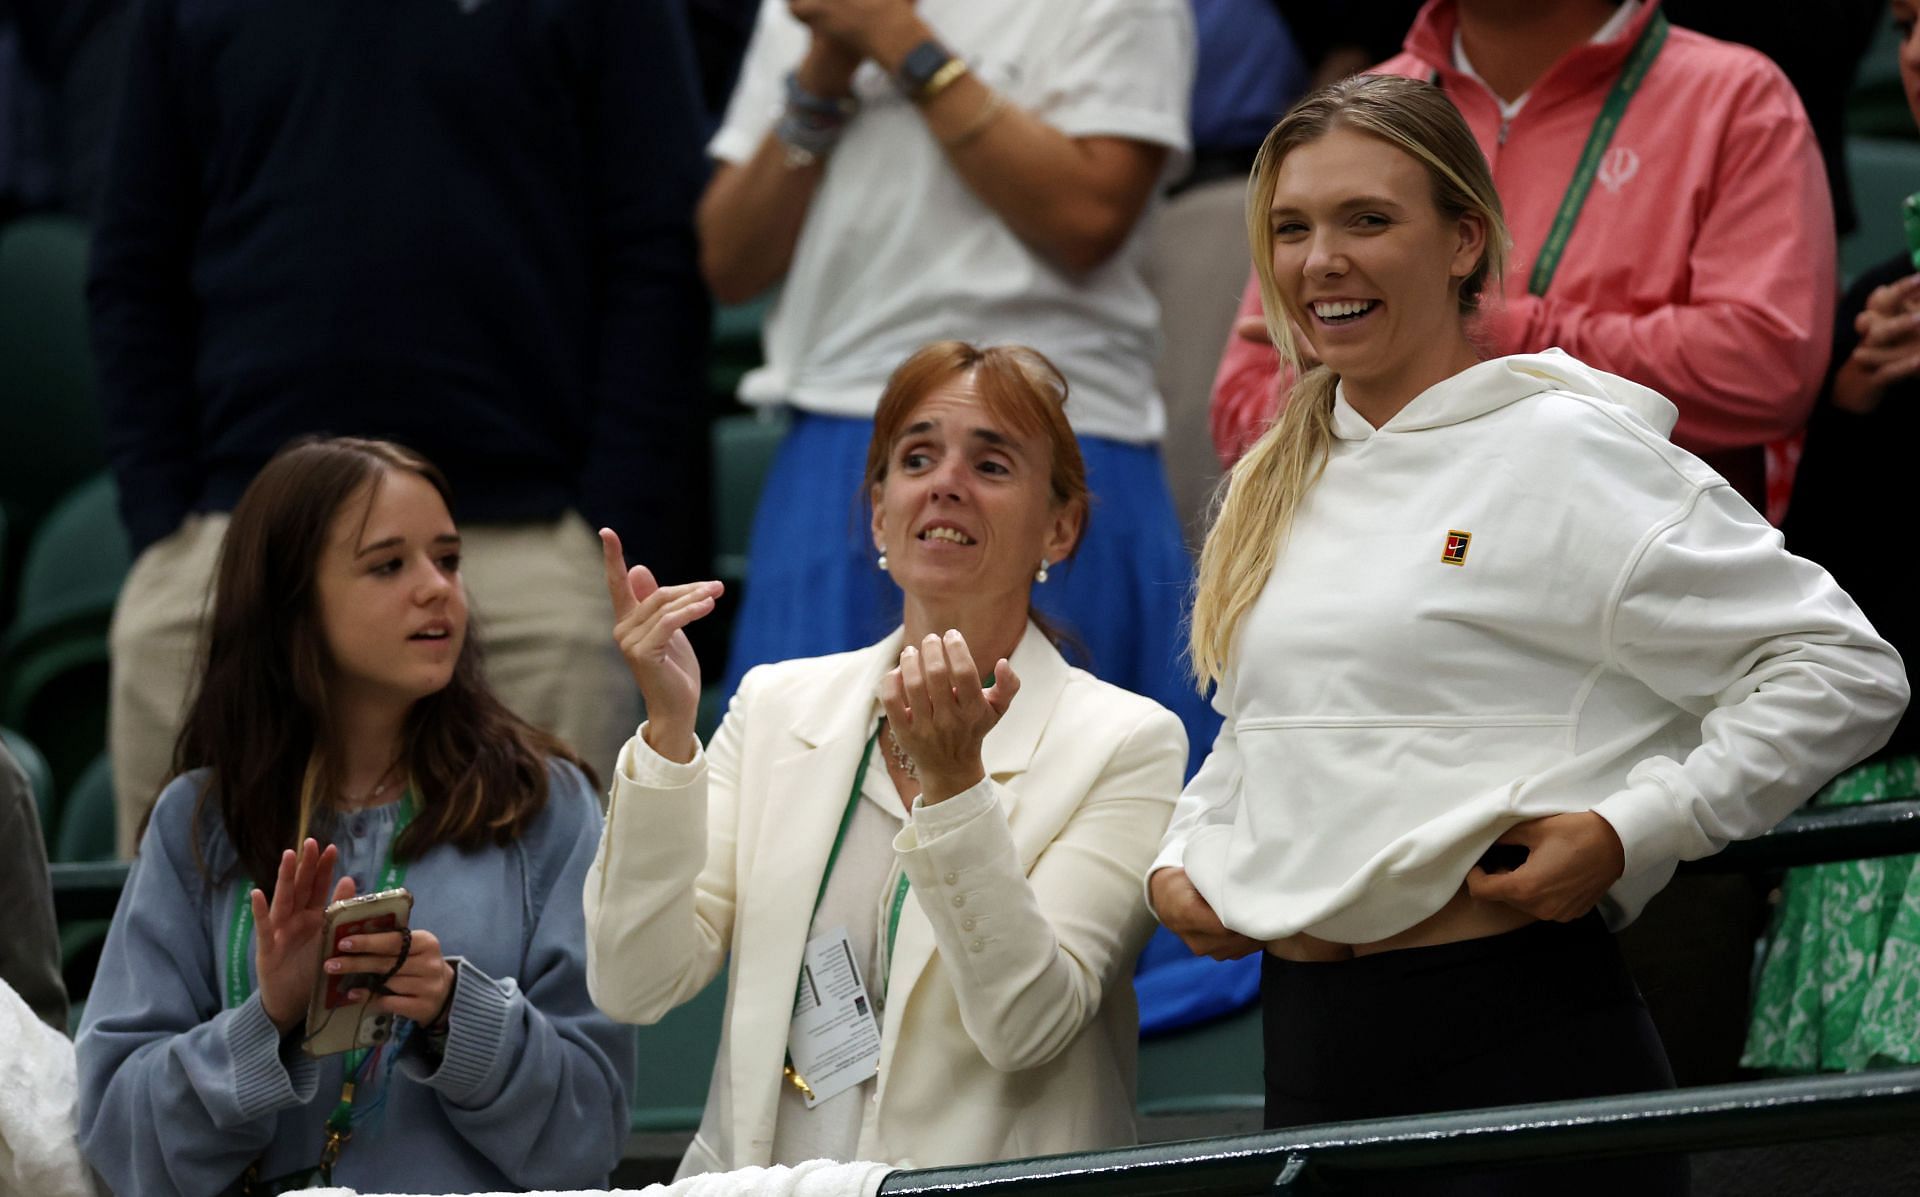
(1745, 355)
(1073, 198)
(1246, 388)
(177, 1093)
(1791, 682)
(532, 1076)
(1211, 798)
(660, 896)
(1031, 954)
(139, 292)
(753, 209)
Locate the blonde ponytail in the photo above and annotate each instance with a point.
(1262, 493)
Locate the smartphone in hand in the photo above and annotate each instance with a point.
(335, 1022)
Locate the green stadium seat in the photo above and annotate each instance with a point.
(39, 777)
(53, 436)
(87, 816)
(736, 344)
(674, 1062)
(55, 654)
(1883, 172)
(1211, 1068)
(743, 449)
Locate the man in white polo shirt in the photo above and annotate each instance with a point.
(970, 169)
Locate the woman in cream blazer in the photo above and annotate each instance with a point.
(1005, 1009)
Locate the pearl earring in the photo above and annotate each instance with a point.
(1040, 575)
(882, 563)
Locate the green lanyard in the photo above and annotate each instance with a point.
(240, 988)
(899, 891)
(1639, 60)
(840, 837)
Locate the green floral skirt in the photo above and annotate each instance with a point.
(1839, 990)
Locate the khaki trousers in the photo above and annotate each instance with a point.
(539, 604)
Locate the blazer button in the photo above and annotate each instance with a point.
(966, 924)
(952, 877)
(977, 945)
(959, 899)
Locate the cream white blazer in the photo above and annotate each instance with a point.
(1014, 1038)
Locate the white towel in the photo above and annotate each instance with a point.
(815, 1178)
(39, 1150)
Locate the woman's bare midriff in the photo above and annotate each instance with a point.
(1463, 917)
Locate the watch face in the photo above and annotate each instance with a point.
(922, 62)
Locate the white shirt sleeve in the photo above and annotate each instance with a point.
(1213, 796)
(759, 95)
(640, 764)
(1792, 683)
(1125, 71)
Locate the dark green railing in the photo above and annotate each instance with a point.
(1817, 836)
(1295, 1161)
(87, 891)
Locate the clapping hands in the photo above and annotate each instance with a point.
(1889, 348)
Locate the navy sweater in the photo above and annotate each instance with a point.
(462, 224)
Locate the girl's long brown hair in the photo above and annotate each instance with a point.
(260, 721)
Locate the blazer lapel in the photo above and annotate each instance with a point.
(1009, 747)
(805, 795)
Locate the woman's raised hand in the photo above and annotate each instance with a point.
(940, 713)
(648, 624)
(286, 931)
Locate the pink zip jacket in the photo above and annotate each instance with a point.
(1702, 264)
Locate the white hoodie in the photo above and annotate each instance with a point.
(1622, 634)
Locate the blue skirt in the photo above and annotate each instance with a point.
(812, 586)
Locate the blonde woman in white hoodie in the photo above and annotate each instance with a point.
(1493, 655)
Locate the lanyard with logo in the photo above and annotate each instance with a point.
(240, 988)
(1639, 60)
(899, 890)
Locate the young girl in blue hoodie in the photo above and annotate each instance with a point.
(343, 741)
(1493, 655)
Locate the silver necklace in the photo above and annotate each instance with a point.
(380, 787)
(900, 756)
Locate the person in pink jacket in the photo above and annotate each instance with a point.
(1701, 260)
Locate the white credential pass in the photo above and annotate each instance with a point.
(834, 1039)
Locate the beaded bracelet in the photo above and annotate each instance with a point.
(822, 109)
